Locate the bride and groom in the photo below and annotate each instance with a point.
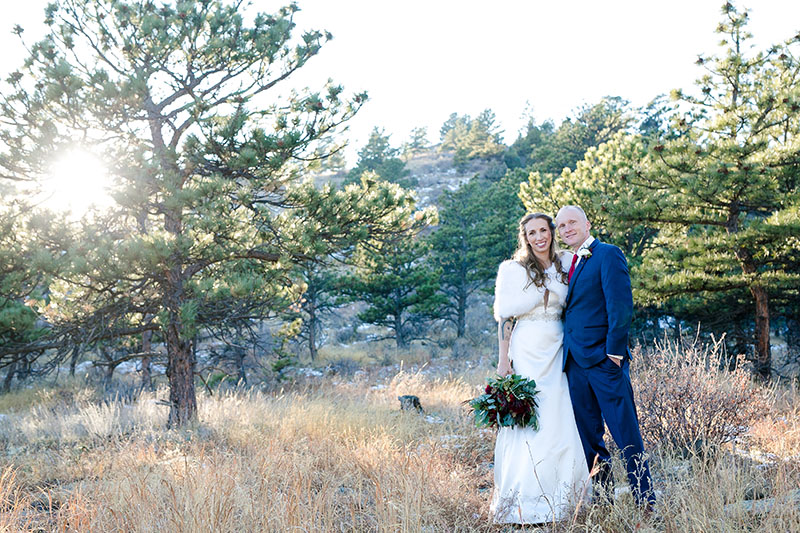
(563, 321)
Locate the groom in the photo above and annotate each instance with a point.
(599, 307)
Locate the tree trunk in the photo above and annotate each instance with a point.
(763, 349)
(180, 373)
(109, 376)
(12, 368)
(110, 366)
(24, 369)
(399, 334)
(462, 312)
(73, 360)
(180, 357)
(761, 298)
(312, 331)
(240, 365)
(461, 290)
(147, 347)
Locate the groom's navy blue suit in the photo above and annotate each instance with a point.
(597, 318)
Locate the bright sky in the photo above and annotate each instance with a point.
(421, 60)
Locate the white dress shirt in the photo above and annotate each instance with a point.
(585, 246)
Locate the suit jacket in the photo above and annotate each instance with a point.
(599, 307)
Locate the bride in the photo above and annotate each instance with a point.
(538, 475)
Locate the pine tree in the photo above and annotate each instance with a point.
(477, 230)
(318, 301)
(379, 157)
(728, 186)
(329, 156)
(210, 216)
(477, 138)
(520, 153)
(31, 254)
(417, 143)
(397, 283)
(720, 186)
(550, 151)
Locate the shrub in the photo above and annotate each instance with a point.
(686, 396)
(343, 366)
(217, 378)
(462, 349)
(346, 335)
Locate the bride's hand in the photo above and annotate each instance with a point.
(504, 369)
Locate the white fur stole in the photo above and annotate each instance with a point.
(511, 297)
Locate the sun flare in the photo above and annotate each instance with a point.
(77, 182)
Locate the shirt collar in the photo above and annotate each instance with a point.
(586, 244)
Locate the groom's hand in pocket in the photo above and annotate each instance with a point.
(616, 360)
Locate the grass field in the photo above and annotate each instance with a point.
(337, 454)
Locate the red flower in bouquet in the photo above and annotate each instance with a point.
(518, 407)
(506, 401)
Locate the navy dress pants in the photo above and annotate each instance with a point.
(604, 392)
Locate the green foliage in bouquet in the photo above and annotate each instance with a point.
(507, 401)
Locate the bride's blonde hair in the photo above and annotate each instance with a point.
(525, 256)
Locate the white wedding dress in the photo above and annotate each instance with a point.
(539, 476)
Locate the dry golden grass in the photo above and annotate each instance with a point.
(778, 433)
(332, 459)
(68, 390)
(341, 457)
(376, 353)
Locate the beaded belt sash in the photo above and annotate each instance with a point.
(540, 314)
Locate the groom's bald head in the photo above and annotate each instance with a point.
(573, 225)
(579, 212)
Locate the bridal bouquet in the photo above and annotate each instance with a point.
(507, 401)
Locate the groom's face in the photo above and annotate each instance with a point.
(573, 227)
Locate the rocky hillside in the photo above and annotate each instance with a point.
(434, 171)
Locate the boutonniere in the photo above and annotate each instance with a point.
(584, 253)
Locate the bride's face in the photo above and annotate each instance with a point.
(539, 237)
